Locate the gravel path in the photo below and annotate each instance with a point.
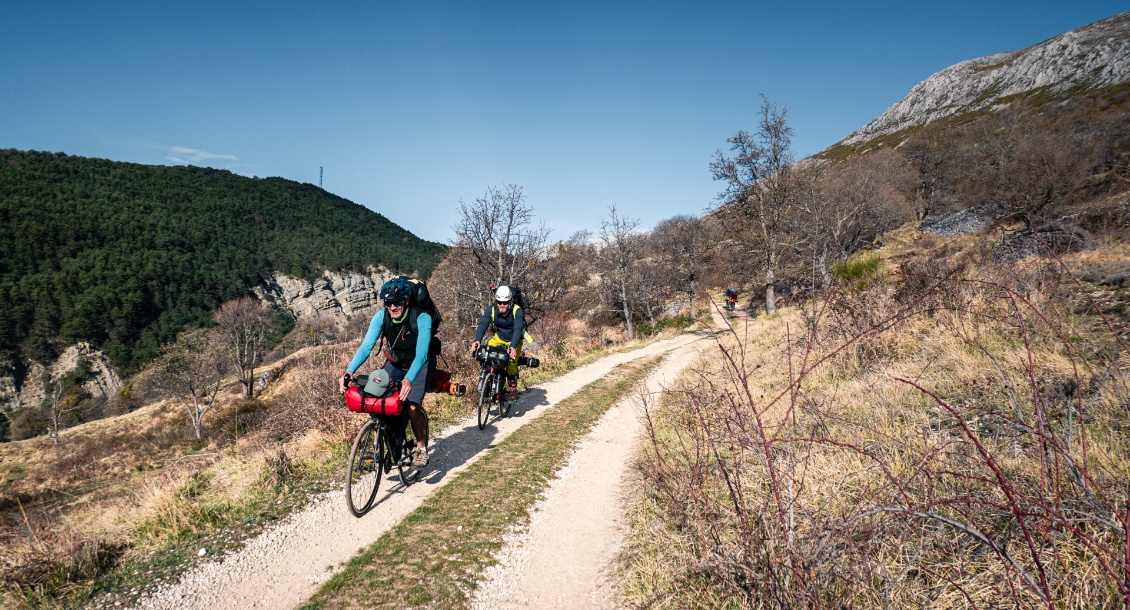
(282, 567)
(564, 560)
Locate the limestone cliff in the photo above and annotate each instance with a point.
(1086, 59)
(332, 295)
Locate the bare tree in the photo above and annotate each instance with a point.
(934, 165)
(1032, 169)
(618, 252)
(684, 243)
(192, 371)
(497, 230)
(759, 193)
(244, 323)
(64, 396)
(851, 206)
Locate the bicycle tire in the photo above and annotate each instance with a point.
(364, 472)
(503, 401)
(485, 398)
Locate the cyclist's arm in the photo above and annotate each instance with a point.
(519, 325)
(371, 336)
(484, 322)
(423, 340)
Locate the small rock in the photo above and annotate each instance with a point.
(201, 552)
(459, 528)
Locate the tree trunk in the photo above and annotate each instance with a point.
(249, 383)
(770, 293)
(825, 277)
(624, 302)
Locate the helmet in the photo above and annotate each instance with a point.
(396, 288)
(504, 294)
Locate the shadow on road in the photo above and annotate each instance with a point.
(456, 449)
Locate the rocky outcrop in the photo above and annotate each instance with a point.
(1089, 58)
(100, 380)
(332, 295)
(962, 222)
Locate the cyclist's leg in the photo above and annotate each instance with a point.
(416, 411)
(512, 368)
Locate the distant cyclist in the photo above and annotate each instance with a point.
(407, 331)
(731, 298)
(509, 329)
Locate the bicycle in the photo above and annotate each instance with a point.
(374, 452)
(492, 381)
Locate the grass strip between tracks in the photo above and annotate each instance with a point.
(434, 557)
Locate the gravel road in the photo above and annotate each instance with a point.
(282, 567)
(565, 558)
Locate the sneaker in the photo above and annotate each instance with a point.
(419, 458)
(512, 389)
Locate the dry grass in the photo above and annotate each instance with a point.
(953, 435)
(122, 501)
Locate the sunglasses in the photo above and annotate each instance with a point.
(396, 303)
(501, 303)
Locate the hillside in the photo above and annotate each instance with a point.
(125, 256)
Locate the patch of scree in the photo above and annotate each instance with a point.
(960, 223)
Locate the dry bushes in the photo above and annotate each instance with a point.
(307, 396)
(951, 438)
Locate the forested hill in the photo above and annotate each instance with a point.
(125, 255)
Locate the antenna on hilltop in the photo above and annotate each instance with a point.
(320, 170)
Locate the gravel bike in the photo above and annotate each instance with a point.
(375, 453)
(492, 381)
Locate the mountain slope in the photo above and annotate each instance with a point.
(1092, 57)
(125, 256)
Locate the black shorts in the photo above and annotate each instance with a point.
(416, 396)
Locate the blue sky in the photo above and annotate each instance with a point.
(412, 106)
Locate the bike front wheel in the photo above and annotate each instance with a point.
(486, 392)
(366, 461)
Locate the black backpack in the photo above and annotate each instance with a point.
(421, 301)
(518, 299)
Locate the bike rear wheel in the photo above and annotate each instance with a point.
(503, 401)
(366, 462)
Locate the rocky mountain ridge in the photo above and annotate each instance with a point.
(1089, 58)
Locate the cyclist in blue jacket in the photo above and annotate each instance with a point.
(509, 329)
(407, 331)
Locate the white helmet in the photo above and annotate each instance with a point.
(503, 294)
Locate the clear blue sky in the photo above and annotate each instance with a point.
(412, 106)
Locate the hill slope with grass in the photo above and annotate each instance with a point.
(124, 256)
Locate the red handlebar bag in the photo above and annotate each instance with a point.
(389, 405)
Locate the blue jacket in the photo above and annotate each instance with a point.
(423, 340)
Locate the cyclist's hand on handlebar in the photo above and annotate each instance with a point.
(475, 346)
(405, 388)
(341, 383)
(510, 351)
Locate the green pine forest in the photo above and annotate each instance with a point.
(125, 256)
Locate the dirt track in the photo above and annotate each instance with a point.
(565, 558)
(285, 565)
